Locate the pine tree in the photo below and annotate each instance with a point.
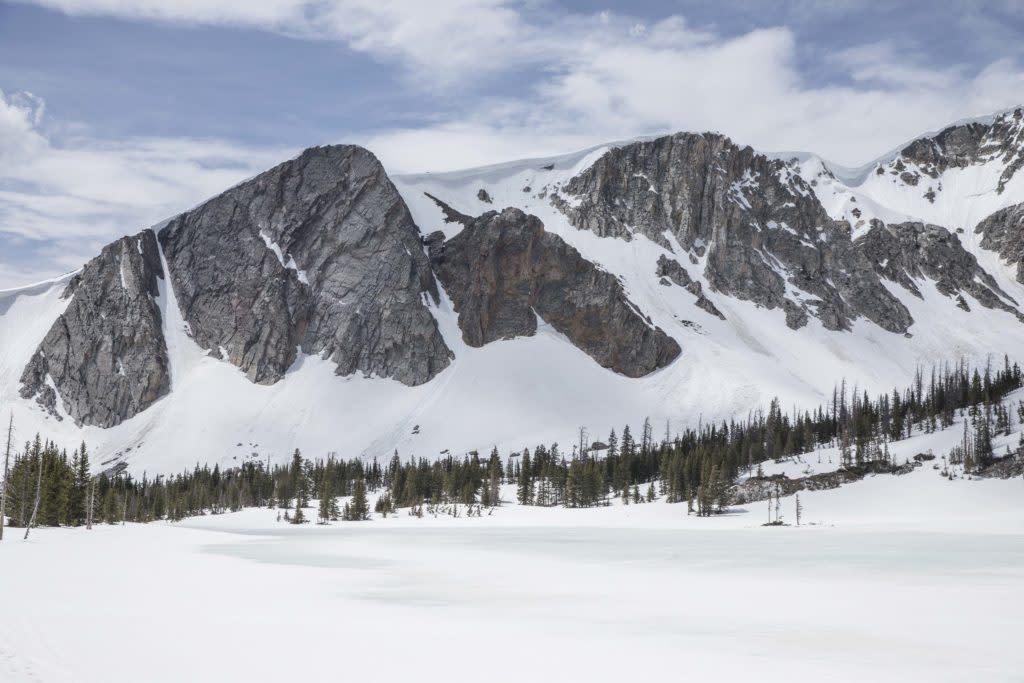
(298, 517)
(299, 485)
(845, 449)
(491, 494)
(524, 490)
(79, 491)
(358, 509)
(327, 502)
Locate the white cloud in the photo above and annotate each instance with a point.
(594, 77)
(618, 83)
(441, 41)
(881, 63)
(265, 14)
(607, 75)
(59, 203)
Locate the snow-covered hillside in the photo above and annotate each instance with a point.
(542, 388)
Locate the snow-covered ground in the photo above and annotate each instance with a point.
(911, 578)
(893, 578)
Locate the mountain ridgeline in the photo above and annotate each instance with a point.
(321, 256)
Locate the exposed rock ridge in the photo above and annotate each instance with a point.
(964, 145)
(450, 214)
(907, 252)
(1003, 232)
(675, 272)
(318, 254)
(503, 270)
(767, 237)
(105, 355)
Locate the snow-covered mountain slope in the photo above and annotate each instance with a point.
(953, 178)
(276, 341)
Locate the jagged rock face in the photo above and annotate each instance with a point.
(319, 254)
(503, 270)
(906, 252)
(768, 239)
(105, 355)
(1003, 232)
(964, 145)
(675, 272)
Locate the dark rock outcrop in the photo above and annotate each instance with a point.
(1006, 467)
(450, 214)
(764, 230)
(796, 315)
(106, 354)
(906, 252)
(674, 271)
(503, 270)
(754, 489)
(1003, 232)
(319, 254)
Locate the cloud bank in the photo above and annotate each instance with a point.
(580, 79)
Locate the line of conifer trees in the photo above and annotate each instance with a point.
(697, 465)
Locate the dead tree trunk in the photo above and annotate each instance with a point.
(7, 459)
(39, 491)
(124, 510)
(90, 497)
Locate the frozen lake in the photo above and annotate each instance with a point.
(241, 597)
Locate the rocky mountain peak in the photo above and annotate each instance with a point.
(318, 254)
(105, 356)
(683, 185)
(959, 146)
(753, 225)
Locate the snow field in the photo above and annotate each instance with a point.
(545, 594)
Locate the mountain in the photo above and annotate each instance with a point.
(327, 306)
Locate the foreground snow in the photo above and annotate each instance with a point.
(898, 578)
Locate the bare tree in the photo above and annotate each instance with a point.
(124, 510)
(92, 503)
(778, 504)
(7, 459)
(39, 491)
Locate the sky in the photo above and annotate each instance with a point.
(116, 114)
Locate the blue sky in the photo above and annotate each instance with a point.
(117, 113)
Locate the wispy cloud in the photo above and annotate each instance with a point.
(518, 79)
(624, 81)
(59, 202)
